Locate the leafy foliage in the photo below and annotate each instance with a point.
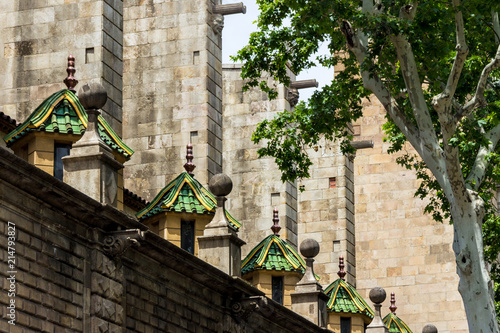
(291, 31)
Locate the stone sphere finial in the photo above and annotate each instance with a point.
(377, 295)
(309, 248)
(70, 81)
(92, 96)
(220, 185)
(429, 328)
(276, 227)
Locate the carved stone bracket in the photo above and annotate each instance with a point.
(117, 242)
(292, 96)
(244, 307)
(217, 23)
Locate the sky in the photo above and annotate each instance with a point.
(237, 29)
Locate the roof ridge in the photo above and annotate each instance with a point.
(62, 112)
(171, 198)
(42, 113)
(260, 258)
(357, 303)
(395, 324)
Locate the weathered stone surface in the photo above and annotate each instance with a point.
(92, 95)
(39, 38)
(398, 247)
(309, 248)
(377, 295)
(220, 185)
(257, 185)
(65, 282)
(174, 71)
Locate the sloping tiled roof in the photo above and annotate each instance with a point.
(112, 139)
(7, 124)
(395, 324)
(344, 298)
(273, 253)
(133, 200)
(63, 113)
(184, 194)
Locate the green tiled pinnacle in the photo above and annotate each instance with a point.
(395, 324)
(345, 299)
(273, 253)
(184, 194)
(63, 113)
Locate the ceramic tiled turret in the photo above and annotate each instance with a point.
(274, 266)
(393, 322)
(182, 209)
(52, 129)
(345, 306)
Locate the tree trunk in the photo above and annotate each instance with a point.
(475, 284)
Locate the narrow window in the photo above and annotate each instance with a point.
(336, 246)
(89, 55)
(193, 135)
(60, 150)
(275, 199)
(196, 57)
(333, 182)
(187, 236)
(277, 289)
(345, 325)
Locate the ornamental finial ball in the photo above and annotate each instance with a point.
(377, 295)
(220, 185)
(309, 248)
(92, 96)
(429, 328)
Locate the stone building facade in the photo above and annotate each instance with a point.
(398, 247)
(76, 270)
(38, 35)
(173, 69)
(160, 62)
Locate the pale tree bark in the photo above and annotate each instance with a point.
(467, 208)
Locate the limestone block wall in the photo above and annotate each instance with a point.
(257, 187)
(398, 247)
(38, 36)
(326, 211)
(67, 280)
(172, 91)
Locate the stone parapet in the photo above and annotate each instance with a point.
(68, 279)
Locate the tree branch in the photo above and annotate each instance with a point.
(408, 11)
(414, 88)
(476, 176)
(496, 26)
(442, 101)
(430, 152)
(478, 98)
